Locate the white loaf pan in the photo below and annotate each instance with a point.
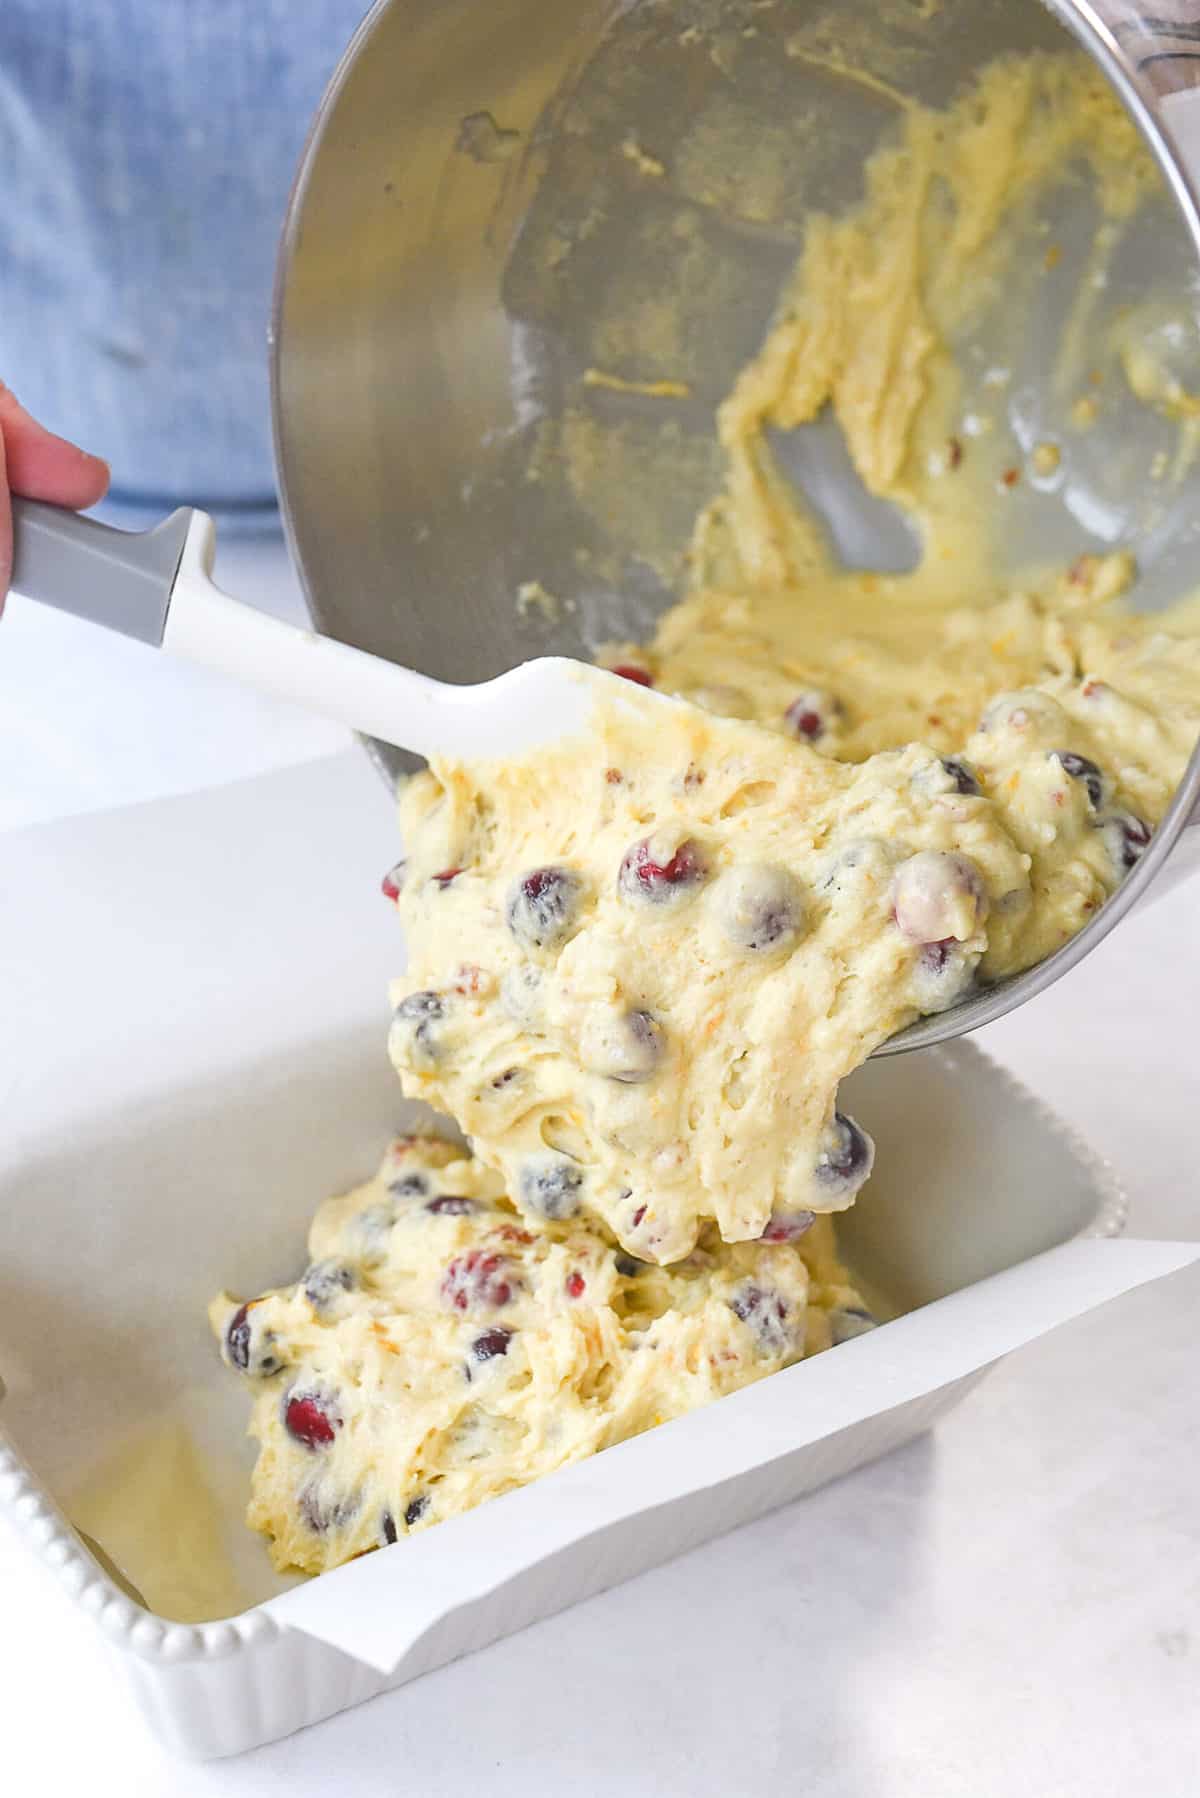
(200, 1062)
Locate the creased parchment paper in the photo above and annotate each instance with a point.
(592, 1525)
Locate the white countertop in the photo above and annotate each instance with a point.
(1008, 1606)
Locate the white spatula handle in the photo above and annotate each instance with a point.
(157, 586)
(363, 691)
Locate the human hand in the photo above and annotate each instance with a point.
(36, 463)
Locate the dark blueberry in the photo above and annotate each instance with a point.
(326, 1281)
(629, 1267)
(477, 1280)
(392, 881)
(642, 877)
(387, 1528)
(421, 1007)
(310, 1419)
(549, 1186)
(521, 996)
(1080, 767)
(850, 1321)
(629, 671)
(322, 1514)
(847, 1157)
(451, 1204)
(943, 974)
(505, 1079)
(250, 1350)
(491, 1343)
(766, 1311)
(965, 779)
(760, 906)
(1125, 838)
(627, 1048)
(369, 1229)
(415, 1033)
(937, 894)
(410, 1186)
(416, 1509)
(543, 907)
(237, 1339)
(788, 1226)
(810, 715)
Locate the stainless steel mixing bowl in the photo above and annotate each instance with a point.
(498, 194)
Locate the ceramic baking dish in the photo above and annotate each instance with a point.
(224, 1071)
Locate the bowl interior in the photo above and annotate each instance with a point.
(499, 198)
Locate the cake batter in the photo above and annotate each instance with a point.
(639, 970)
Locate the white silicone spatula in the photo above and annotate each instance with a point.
(157, 587)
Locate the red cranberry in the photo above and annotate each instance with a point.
(788, 1226)
(490, 1344)
(310, 1419)
(811, 714)
(450, 1204)
(642, 877)
(392, 881)
(543, 906)
(447, 877)
(477, 1280)
(847, 1157)
(629, 671)
(576, 1285)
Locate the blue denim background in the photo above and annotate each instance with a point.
(146, 152)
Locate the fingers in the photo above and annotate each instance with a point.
(35, 462)
(43, 466)
(5, 529)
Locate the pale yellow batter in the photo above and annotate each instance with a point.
(436, 1353)
(640, 969)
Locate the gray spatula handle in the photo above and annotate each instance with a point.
(122, 579)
